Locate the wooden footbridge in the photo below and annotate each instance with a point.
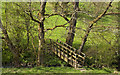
(67, 53)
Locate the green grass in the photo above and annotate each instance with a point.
(53, 70)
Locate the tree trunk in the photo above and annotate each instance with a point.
(41, 33)
(56, 7)
(71, 32)
(118, 37)
(90, 27)
(27, 20)
(12, 47)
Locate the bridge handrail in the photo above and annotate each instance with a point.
(70, 50)
(75, 50)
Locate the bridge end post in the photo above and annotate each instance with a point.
(75, 62)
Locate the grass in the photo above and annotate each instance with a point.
(54, 70)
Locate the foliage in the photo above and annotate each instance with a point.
(100, 48)
(6, 55)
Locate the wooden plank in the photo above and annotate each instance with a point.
(71, 61)
(62, 49)
(64, 46)
(72, 48)
(75, 63)
(78, 56)
(82, 54)
(66, 58)
(69, 46)
(62, 55)
(55, 52)
(81, 57)
(58, 52)
(65, 53)
(62, 52)
(74, 56)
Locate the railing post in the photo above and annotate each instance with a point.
(67, 53)
(75, 62)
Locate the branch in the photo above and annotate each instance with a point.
(113, 13)
(80, 28)
(63, 24)
(90, 27)
(105, 39)
(64, 17)
(28, 13)
(31, 14)
(56, 27)
(33, 18)
(114, 27)
(100, 16)
(59, 15)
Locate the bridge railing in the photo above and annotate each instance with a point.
(71, 48)
(67, 53)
